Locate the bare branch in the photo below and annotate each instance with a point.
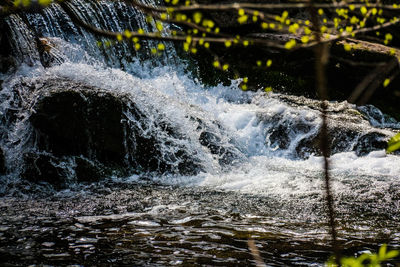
(321, 60)
(245, 5)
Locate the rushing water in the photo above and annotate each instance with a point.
(270, 190)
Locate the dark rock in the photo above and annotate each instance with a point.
(279, 136)
(20, 40)
(2, 162)
(348, 129)
(343, 139)
(82, 123)
(102, 132)
(60, 172)
(216, 147)
(41, 167)
(7, 62)
(370, 142)
(48, 57)
(225, 152)
(88, 171)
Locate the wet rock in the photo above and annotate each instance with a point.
(2, 162)
(210, 137)
(102, 132)
(88, 171)
(214, 144)
(48, 57)
(279, 137)
(41, 167)
(370, 142)
(6, 64)
(83, 122)
(20, 40)
(344, 138)
(299, 133)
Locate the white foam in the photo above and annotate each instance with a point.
(262, 170)
(353, 177)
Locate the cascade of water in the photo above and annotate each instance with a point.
(210, 130)
(107, 15)
(155, 157)
(22, 40)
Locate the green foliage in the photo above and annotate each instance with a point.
(366, 259)
(199, 30)
(26, 3)
(393, 143)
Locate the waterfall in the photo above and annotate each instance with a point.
(78, 108)
(22, 40)
(53, 22)
(110, 155)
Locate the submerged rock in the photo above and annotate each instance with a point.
(61, 172)
(222, 150)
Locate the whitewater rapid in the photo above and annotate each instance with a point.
(270, 188)
(261, 167)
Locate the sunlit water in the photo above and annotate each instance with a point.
(267, 194)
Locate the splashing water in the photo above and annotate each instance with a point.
(270, 188)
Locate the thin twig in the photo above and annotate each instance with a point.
(256, 253)
(321, 60)
(157, 36)
(237, 6)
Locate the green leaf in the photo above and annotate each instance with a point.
(159, 26)
(197, 16)
(242, 19)
(393, 143)
(382, 252)
(45, 2)
(386, 82)
(392, 254)
(26, 3)
(363, 257)
(161, 47)
(350, 262)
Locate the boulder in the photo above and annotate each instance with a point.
(96, 133)
(297, 131)
(224, 153)
(370, 142)
(82, 122)
(60, 172)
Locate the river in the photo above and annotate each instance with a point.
(260, 177)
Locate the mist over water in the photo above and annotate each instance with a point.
(270, 188)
